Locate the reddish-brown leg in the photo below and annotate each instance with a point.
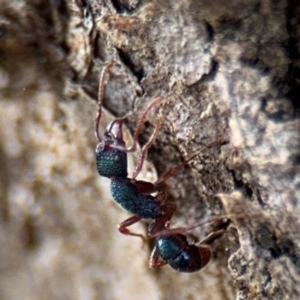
(162, 224)
(155, 260)
(212, 236)
(171, 172)
(144, 187)
(148, 188)
(162, 179)
(144, 115)
(146, 147)
(122, 227)
(183, 230)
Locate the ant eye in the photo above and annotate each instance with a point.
(117, 158)
(108, 136)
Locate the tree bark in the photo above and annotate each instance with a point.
(228, 74)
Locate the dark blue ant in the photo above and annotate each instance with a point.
(171, 245)
(173, 248)
(111, 157)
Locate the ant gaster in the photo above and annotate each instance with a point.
(111, 157)
(171, 247)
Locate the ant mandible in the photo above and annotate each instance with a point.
(111, 158)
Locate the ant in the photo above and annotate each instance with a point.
(111, 158)
(171, 247)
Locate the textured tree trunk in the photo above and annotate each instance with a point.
(228, 74)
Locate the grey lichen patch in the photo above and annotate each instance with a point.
(186, 54)
(269, 249)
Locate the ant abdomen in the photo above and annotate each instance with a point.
(176, 251)
(191, 259)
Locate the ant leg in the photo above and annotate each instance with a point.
(122, 227)
(155, 260)
(159, 184)
(100, 97)
(212, 236)
(146, 147)
(183, 230)
(168, 174)
(144, 187)
(162, 223)
(148, 188)
(171, 172)
(143, 117)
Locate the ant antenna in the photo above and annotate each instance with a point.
(100, 97)
(182, 230)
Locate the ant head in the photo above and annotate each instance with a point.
(113, 134)
(111, 155)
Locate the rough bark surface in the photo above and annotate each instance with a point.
(228, 73)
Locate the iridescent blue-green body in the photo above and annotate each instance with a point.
(127, 195)
(176, 251)
(111, 162)
(111, 158)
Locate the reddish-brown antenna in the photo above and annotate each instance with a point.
(100, 97)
